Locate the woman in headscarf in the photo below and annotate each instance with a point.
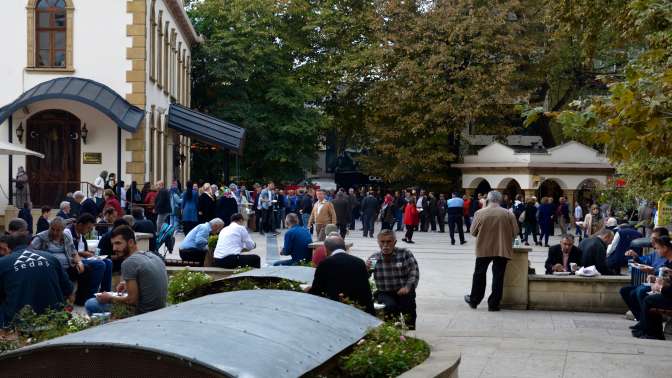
(226, 207)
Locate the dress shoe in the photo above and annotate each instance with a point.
(404, 240)
(638, 333)
(467, 298)
(452, 243)
(636, 326)
(463, 242)
(493, 309)
(410, 241)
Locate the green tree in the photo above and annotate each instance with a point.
(246, 72)
(443, 68)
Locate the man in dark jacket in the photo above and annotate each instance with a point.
(369, 212)
(594, 251)
(162, 204)
(433, 210)
(563, 254)
(306, 207)
(342, 276)
(343, 213)
(87, 205)
(354, 207)
(30, 278)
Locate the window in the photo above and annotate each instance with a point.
(51, 33)
(159, 51)
(166, 56)
(152, 41)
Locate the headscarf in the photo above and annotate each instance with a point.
(388, 199)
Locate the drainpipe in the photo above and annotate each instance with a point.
(118, 155)
(10, 174)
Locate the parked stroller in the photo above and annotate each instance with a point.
(166, 239)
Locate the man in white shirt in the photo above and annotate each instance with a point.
(233, 239)
(578, 217)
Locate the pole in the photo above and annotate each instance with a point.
(10, 172)
(118, 156)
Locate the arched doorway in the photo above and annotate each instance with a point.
(586, 192)
(483, 187)
(511, 189)
(54, 133)
(550, 188)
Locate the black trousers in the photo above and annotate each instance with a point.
(409, 232)
(193, 254)
(478, 282)
(424, 220)
(238, 261)
(258, 221)
(441, 220)
(267, 220)
(399, 304)
(652, 323)
(432, 221)
(343, 229)
(455, 222)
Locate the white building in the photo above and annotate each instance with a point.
(99, 85)
(571, 170)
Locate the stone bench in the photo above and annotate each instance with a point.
(576, 293)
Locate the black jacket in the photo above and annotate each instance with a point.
(162, 202)
(206, 208)
(370, 206)
(307, 204)
(146, 226)
(343, 210)
(343, 274)
(555, 257)
(89, 206)
(594, 252)
(226, 207)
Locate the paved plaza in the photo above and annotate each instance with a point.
(513, 343)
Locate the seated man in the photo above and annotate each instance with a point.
(623, 236)
(108, 218)
(65, 211)
(194, 247)
(143, 274)
(32, 278)
(87, 205)
(100, 270)
(105, 245)
(634, 296)
(342, 276)
(561, 255)
(144, 225)
(651, 324)
(233, 239)
(43, 220)
(594, 251)
(396, 274)
(297, 239)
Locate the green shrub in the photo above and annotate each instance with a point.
(212, 241)
(384, 352)
(184, 282)
(121, 310)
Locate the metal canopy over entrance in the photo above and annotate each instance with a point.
(206, 128)
(255, 333)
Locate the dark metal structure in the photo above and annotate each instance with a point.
(206, 128)
(257, 333)
(301, 274)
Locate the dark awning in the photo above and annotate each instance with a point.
(206, 128)
(89, 92)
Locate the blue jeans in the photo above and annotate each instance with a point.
(101, 275)
(634, 297)
(304, 219)
(93, 306)
(398, 219)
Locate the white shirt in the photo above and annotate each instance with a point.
(578, 213)
(232, 240)
(614, 243)
(336, 252)
(99, 185)
(80, 243)
(418, 203)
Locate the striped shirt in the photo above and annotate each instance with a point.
(401, 271)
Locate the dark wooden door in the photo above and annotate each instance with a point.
(55, 133)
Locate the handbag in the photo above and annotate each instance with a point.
(521, 218)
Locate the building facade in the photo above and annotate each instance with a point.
(90, 85)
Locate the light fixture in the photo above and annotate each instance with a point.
(19, 132)
(85, 133)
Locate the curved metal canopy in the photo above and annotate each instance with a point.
(207, 128)
(301, 274)
(89, 92)
(254, 333)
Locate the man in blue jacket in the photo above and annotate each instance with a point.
(297, 239)
(616, 258)
(30, 278)
(455, 220)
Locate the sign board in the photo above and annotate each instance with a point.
(93, 158)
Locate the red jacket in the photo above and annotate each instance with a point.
(113, 202)
(411, 216)
(467, 206)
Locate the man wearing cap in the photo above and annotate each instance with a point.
(455, 211)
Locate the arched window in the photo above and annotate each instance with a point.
(50, 33)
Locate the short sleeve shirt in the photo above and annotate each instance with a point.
(149, 271)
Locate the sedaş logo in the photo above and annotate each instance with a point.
(29, 260)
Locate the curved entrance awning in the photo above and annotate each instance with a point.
(92, 93)
(209, 129)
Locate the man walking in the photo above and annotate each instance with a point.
(354, 207)
(162, 204)
(495, 228)
(266, 205)
(343, 213)
(369, 211)
(323, 214)
(455, 211)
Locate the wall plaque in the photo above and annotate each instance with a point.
(93, 158)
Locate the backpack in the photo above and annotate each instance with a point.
(518, 209)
